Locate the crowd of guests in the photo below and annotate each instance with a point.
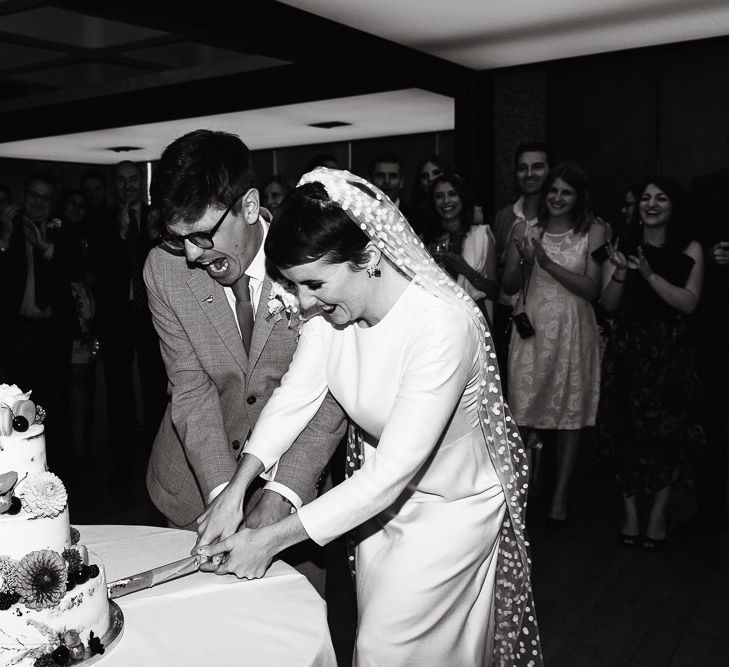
(71, 270)
(614, 327)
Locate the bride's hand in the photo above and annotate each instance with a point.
(222, 517)
(249, 553)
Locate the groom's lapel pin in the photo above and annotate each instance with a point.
(208, 299)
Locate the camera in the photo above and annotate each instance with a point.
(523, 326)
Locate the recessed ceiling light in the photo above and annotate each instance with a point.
(328, 125)
(124, 149)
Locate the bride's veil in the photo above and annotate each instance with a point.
(516, 637)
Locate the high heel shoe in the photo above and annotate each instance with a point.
(649, 544)
(631, 541)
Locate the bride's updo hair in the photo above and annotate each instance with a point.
(309, 226)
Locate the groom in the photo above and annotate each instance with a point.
(224, 350)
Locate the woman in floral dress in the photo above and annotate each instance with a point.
(650, 399)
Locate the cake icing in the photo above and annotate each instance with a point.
(54, 605)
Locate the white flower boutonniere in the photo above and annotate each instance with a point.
(282, 300)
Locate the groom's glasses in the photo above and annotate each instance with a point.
(200, 239)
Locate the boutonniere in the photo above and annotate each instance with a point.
(281, 300)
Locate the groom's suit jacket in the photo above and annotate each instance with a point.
(217, 391)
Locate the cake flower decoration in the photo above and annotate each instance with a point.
(43, 495)
(10, 394)
(8, 481)
(8, 567)
(40, 579)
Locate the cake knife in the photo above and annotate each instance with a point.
(157, 575)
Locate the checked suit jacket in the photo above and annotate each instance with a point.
(217, 391)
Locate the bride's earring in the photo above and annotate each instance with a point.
(374, 271)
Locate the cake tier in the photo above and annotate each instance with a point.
(21, 534)
(24, 452)
(84, 609)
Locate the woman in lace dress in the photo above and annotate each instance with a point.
(554, 374)
(438, 486)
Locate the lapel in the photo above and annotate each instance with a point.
(262, 326)
(219, 314)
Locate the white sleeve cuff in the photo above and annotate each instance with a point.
(286, 492)
(216, 492)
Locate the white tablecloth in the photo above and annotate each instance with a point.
(205, 619)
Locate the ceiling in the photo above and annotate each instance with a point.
(483, 34)
(80, 77)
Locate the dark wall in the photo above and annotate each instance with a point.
(602, 114)
(621, 116)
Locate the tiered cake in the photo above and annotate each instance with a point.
(53, 599)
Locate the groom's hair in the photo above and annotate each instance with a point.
(310, 226)
(199, 170)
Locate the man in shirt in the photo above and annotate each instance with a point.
(531, 166)
(225, 339)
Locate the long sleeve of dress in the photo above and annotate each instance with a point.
(294, 402)
(438, 361)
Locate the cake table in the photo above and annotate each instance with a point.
(206, 619)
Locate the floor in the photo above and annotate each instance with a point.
(598, 602)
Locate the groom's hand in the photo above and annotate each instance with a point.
(221, 519)
(266, 507)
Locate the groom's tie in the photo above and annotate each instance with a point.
(244, 310)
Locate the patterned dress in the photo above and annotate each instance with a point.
(554, 376)
(649, 418)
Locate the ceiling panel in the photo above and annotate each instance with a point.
(83, 74)
(394, 113)
(484, 34)
(15, 55)
(183, 54)
(66, 27)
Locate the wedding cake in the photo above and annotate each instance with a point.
(54, 606)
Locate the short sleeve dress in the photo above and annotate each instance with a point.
(554, 376)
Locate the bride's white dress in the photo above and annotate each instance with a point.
(426, 564)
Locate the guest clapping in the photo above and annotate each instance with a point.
(420, 206)
(465, 250)
(650, 399)
(554, 368)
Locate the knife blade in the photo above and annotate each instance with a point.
(153, 577)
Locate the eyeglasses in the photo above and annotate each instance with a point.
(202, 240)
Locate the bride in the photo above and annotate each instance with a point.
(438, 480)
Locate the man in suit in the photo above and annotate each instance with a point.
(711, 327)
(37, 264)
(224, 350)
(119, 247)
